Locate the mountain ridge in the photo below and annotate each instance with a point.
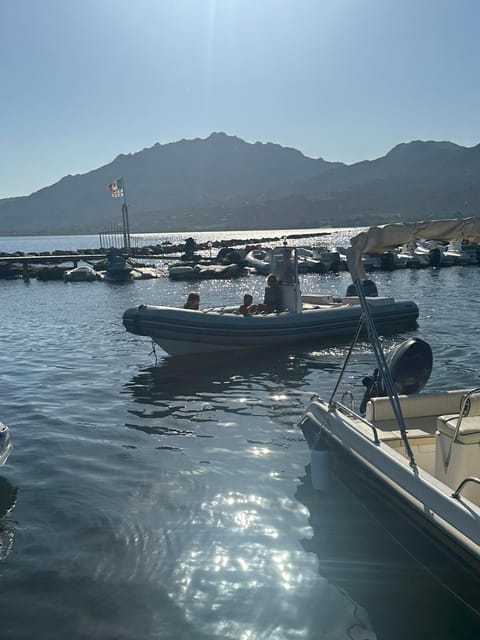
(222, 182)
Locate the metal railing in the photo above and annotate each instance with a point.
(463, 413)
(456, 493)
(351, 414)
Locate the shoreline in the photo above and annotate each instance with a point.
(159, 250)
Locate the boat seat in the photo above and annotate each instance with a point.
(469, 432)
(418, 405)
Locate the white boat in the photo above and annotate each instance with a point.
(259, 259)
(421, 449)
(412, 259)
(301, 319)
(330, 258)
(81, 274)
(308, 263)
(5, 443)
(178, 271)
(461, 254)
(436, 252)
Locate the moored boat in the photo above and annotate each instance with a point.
(182, 271)
(259, 259)
(461, 254)
(118, 266)
(81, 274)
(298, 319)
(422, 450)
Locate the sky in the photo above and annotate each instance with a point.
(345, 80)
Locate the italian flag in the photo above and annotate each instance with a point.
(116, 188)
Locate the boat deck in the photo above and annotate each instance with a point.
(443, 444)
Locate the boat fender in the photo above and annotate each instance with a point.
(320, 465)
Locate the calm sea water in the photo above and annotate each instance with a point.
(157, 500)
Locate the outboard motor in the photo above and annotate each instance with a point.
(435, 256)
(369, 289)
(410, 365)
(387, 261)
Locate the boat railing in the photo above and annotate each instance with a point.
(349, 395)
(464, 410)
(352, 414)
(465, 481)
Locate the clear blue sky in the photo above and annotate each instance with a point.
(344, 80)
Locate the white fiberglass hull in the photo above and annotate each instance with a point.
(183, 331)
(458, 520)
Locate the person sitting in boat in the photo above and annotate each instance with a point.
(193, 301)
(272, 300)
(247, 306)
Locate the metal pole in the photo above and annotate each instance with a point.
(385, 371)
(126, 224)
(125, 243)
(354, 342)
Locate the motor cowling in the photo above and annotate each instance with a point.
(369, 289)
(410, 366)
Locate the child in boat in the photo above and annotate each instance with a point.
(193, 301)
(272, 300)
(247, 307)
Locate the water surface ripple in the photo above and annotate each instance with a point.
(173, 499)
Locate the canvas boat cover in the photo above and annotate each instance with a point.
(387, 237)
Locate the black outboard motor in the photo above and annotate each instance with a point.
(369, 289)
(410, 365)
(435, 257)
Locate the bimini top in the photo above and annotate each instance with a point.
(388, 236)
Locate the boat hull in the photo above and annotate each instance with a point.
(183, 331)
(415, 533)
(81, 274)
(454, 523)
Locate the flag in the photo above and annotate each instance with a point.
(116, 188)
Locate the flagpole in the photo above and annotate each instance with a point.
(126, 225)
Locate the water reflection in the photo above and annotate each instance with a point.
(179, 396)
(244, 575)
(237, 568)
(183, 376)
(386, 564)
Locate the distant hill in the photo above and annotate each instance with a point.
(223, 182)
